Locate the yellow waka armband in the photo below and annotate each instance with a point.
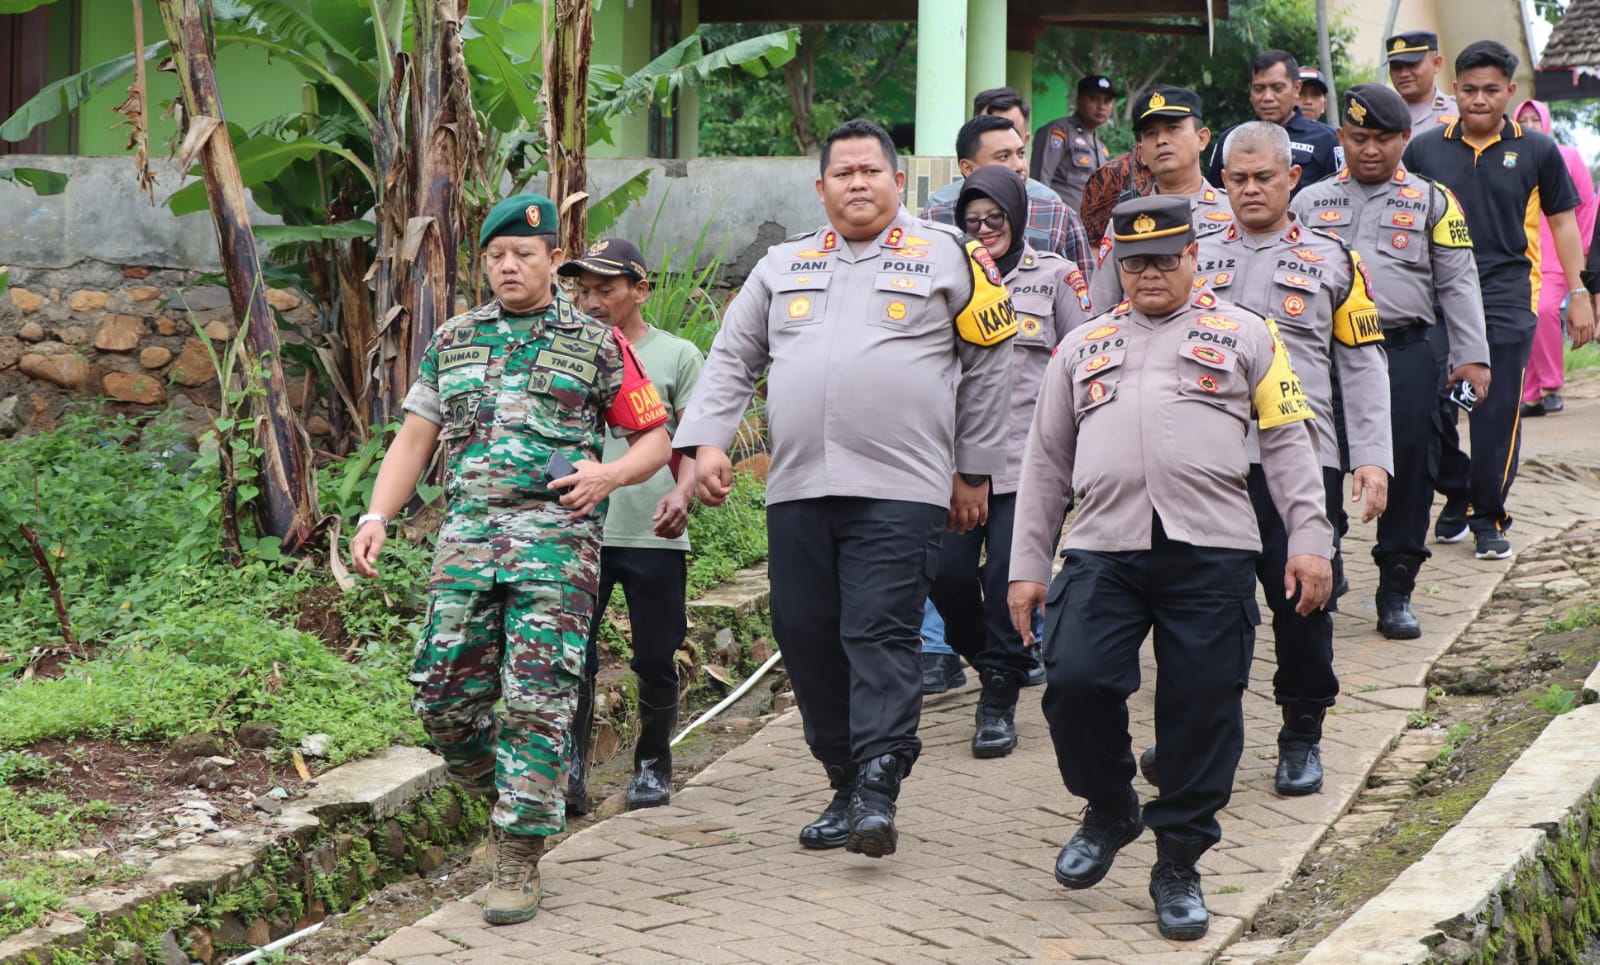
(1451, 231)
(1279, 397)
(1356, 321)
(988, 318)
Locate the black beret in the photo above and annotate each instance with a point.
(1375, 107)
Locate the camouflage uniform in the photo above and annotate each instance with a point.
(515, 574)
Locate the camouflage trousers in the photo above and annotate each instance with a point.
(523, 642)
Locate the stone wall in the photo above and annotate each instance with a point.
(135, 336)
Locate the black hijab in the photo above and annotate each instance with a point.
(1001, 185)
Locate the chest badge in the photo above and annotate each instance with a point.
(1031, 326)
(799, 306)
(1208, 383)
(1104, 331)
(1400, 239)
(1510, 159)
(1097, 363)
(1222, 279)
(1097, 391)
(1307, 254)
(1330, 216)
(1294, 305)
(896, 310)
(903, 282)
(1411, 194)
(1217, 323)
(1207, 354)
(1200, 282)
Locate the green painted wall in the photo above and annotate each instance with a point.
(622, 39)
(253, 89)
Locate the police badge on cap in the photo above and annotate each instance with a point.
(1159, 224)
(1375, 107)
(1411, 47)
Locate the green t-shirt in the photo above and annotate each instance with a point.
(673, 365)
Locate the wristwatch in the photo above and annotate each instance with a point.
(973, 479)
(369, 517)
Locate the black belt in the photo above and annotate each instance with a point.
(1395, 337)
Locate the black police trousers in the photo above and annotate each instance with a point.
(1414, 423)
(1201, 602)
(972, 597)
(849, 578)
(1303, 644)
(1454, 474)
(654, 581)
(1496, 427)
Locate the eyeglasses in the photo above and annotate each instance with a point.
(994, 222)
(1136, 264)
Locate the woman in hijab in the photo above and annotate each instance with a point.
(1051, 298)
(1541, 392)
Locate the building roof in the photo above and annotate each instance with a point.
(1576, 39)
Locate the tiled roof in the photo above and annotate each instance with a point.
(1576, 40)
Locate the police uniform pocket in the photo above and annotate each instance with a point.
(1404, 242)
(1095, 377)
(1055, 601)
(898, 299)
(1294, 294)
(1247, 638)
(556, 406)
(799, 300)
(1206, 368)
(1035, 320)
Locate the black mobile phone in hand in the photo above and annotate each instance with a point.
(1462, 394)
(557, 467)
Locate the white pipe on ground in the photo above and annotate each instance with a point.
(729, 700)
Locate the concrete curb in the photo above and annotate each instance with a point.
(376, 788)
(1470, 895)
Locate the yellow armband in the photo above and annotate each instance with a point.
(1451, 231)
(988, 318)
(1279, 397)
(1355, 322)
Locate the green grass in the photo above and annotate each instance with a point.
(1578, 619)
(1588, 357)
(728, 538)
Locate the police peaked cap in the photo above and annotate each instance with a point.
(1410, 47)
(1158, 224)
(1165, 102)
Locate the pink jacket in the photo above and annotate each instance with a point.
(1549, 263)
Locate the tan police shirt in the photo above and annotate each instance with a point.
(1438, 109)
(1315, 287)
(1212, 213)
(1141, 416)
(887, 370)
(1051, 298)
(1417, 248)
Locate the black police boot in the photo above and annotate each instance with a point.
(996, 733)
(1175, 888)
(1108, 826)
(578, 748)
(1300, 751)
(1147, 766)
(941, 672)
(652, 753)
(872, 807)
(832, 829)
(1036, 671)
(1397, 577)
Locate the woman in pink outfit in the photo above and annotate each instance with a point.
(1541, 393)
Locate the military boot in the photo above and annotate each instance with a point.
(1397, 577)
(578, 748)
(1175, 888)
(514, 891)
(652, 753)
(996, 731)
(1300, 751)
(1108, 826)
(832, 829)
(872, 807)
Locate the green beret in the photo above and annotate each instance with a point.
(520, 214)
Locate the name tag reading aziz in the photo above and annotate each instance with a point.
(454, 358)
(580, 369)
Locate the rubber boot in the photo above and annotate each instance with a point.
(652, 753)
(996, 731)
(578, 749)
(1108, 827)
(832, 829)
(1299, 750)
(514, 890)
(1397, 577)
(872, 807)
(1175, 888)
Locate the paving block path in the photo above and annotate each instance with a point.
(719, 877)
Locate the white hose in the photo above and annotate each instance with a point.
(278, 945)
(729, 700)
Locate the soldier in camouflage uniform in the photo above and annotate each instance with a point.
(506, 387)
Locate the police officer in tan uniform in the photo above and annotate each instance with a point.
(969, 591)
(1414, 61)
(883, 340)
(1418, 252)
(1169, 137)
(1315, 286)
(1068, 149)
(1144, 415)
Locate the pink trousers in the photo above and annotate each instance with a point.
(1546, 366)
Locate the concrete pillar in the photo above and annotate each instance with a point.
(1019, 74)
(688, 98)
(986, 46)
(622, 39)
(942, 104)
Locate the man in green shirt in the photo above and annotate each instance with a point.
(646, 544)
